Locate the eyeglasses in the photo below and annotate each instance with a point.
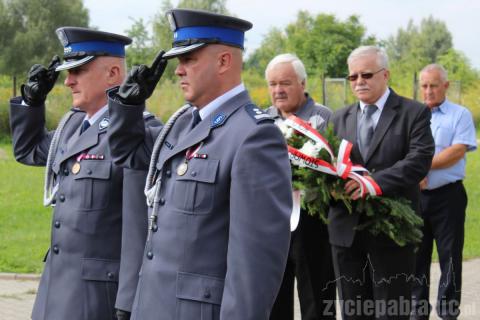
(363, 75)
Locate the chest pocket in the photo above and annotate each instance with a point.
(92, 184)
(443, 136)
(194, 192)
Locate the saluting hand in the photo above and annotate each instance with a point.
(40, 81)
(141, 81)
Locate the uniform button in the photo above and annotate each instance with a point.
(62, 198)
(56, 250)
(109, 275)
(162, 201)
(155, 228)
(65, 172)
(149, 255)
(89, 171)
(193, 173)
(168, 173)
(57, 224)
(207, 294)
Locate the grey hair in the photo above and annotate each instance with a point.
(296, 63)
(382, 58)
(436, 67)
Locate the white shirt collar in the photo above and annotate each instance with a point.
(217, 102)
(380, 103)
(97, 115)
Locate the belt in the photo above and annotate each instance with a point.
(442, 188)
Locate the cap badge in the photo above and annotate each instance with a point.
(62, 36)
(171, 21)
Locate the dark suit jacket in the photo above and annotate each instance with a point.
(399, 157)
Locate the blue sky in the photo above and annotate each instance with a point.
(381, 17)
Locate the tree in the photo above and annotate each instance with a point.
(141, 50)
(28, 30)
(274, 42)
(162, 35)
(458, 67)
(414, 47)
(322, 42)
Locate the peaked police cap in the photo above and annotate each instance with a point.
(193, 29)
(81, 45)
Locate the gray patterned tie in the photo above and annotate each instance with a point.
(366, 129)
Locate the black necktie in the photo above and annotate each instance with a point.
(195, 118)
(85, 126)
(366, 129)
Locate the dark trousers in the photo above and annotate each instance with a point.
(310, 261)
(374, 278)
(443, 212)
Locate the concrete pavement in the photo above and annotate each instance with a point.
(17, 293)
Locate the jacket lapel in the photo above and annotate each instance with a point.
(388, 114)
(80, 142)
(351, 130)
(180, 137)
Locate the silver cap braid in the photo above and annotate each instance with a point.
(50, 189)
(151, 188)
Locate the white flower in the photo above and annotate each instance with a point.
(287, 132)
(311, 149)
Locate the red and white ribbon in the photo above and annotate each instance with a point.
(340, 166)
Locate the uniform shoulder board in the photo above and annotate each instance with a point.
(257, 114)
(75, 109)
(147, 115)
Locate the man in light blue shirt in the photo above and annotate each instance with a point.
(443, 199)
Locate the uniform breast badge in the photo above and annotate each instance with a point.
(192, 152)
(84, 156)
(76, 167)
(182, 168)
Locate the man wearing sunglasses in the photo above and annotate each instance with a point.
(391, 137)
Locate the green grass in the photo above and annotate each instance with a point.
(24, 222)
(472, 224)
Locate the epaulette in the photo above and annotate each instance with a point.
(76, 109)
(257, 114)
(147, 115)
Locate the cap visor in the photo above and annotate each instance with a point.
(70, 64)
(177, 51)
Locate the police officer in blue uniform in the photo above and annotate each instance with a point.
(83, 185)
(218, 189)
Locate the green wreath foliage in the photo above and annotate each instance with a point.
(393, 217)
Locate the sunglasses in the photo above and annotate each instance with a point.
(363, 75)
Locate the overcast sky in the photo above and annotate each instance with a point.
(381, 17)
